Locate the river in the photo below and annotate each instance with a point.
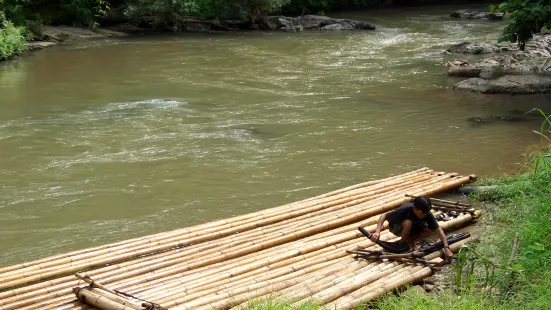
(107, 140)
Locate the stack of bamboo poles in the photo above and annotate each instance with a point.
(265, 251)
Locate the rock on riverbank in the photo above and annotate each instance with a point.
(315, 22)
(66, 33)
(473, 14)
(509, 84)
(474, 48)
(279, 23)
(536, 58)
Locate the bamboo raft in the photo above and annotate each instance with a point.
(297, 252)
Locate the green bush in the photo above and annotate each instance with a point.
(83, 12)
(161, 14)
(12, 39)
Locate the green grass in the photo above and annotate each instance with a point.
(13, 39)
(273, 303)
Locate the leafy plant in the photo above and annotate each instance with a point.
(162, 14)
(85, 12)
(526, 18)
(14, 10)
(13, 39)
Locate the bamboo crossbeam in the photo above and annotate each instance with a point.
(99, 301)
(449, 202)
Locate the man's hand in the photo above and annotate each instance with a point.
(375, 236)
(448, 254)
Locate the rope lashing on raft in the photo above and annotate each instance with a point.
(152, 305)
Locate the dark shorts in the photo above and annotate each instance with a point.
(415, 231)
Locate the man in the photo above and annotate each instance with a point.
(412, 220)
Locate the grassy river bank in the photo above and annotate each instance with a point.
(493, 273)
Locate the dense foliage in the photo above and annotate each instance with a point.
(167, 14)
(12, 39)
(526, 18)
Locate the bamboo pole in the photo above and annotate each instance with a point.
(98, 301)
(454, 248)
(141, 296)
(156, 299)
(352, 300)
(305, 290)
(109, 293)
(449, 202)
(297, 276)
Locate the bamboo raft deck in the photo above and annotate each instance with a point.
(297, 252)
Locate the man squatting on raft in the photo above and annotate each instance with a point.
(412, 220)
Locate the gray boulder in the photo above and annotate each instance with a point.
(64, 33)
(473, 14)
(338, 27)
(535, 58)
(39, 45)
(315, 22)
(478, 48)
(509, 84)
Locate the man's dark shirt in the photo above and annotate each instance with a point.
(405, 212)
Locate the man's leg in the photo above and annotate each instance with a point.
(406, 229)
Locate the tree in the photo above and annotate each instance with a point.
(526, 18)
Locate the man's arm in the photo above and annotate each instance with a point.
(377, 234)
(447, 252)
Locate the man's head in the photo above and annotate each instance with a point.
(421, 206)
